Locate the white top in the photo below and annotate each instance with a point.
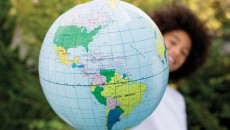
(170, 114)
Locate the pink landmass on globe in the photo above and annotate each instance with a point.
(112, 103)
(98, 79)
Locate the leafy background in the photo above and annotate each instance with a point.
(23, 25)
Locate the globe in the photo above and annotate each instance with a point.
(103, 66)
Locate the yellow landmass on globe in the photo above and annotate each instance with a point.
(106, 113)
(76, 60)
(160, 48)
(128, 94)
(92, 87)
(112, 3)
(63, 56)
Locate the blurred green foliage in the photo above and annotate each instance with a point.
(23, 105)
(207, 93)
(23, 25)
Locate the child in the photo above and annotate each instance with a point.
(187, 42)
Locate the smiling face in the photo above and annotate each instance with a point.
(178, 44)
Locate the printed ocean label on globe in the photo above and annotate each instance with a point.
(103, 66)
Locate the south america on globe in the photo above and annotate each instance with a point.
(103, 66)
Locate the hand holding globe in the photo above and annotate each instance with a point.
(103, 65)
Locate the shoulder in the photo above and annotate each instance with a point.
(174, 95)
(169, 114)
(174, 92)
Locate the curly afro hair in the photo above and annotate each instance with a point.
(178, 17)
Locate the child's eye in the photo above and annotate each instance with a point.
(173, 42)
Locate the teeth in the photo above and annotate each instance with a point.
(171, 59)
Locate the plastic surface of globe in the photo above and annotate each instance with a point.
(103, 66)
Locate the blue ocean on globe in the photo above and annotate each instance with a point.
(103, 66)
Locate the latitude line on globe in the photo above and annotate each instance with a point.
(122, 30)
(128, 42)
(102, 84)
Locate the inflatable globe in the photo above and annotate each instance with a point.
(103, 66)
